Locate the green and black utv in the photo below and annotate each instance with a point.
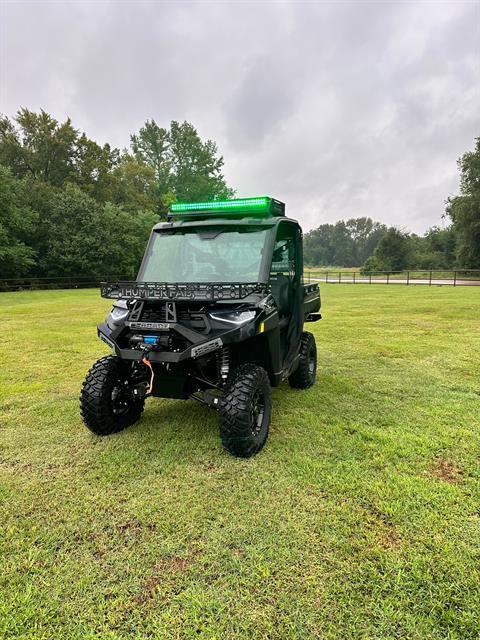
(216, 314)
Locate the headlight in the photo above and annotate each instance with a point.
(233, 317)
(117, 314)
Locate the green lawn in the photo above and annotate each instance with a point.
(359, 519)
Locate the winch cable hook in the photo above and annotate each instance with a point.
(148, 364)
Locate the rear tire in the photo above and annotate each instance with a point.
(245, 411)
(304, 375)
(106, 403)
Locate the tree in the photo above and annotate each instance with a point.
(17, 222)
(196, 167)
(71, 207)
(346, 244)
(135, 185)
(328, 245)
(186, 168)
(39, 146)
(391, 254)
(435, 250)
(464, 209)
(89, 239)
(151, 146)
(365, 234)
(94, 168)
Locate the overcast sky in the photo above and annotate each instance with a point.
(340, 109)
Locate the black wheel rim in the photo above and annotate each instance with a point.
(258, 412)
(121, 398)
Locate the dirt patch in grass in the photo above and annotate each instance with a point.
(446, 470)
(387, 536)
(384, 531)
(16, 465)
(161, 573)
(134, 527)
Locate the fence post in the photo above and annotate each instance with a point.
(388, 277)
(370, 277)
(454, 278)
(430, 281)
(339, 277)
(326, 277)
(354, 277)
(408, 277)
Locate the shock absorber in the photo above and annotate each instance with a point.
(225, 364)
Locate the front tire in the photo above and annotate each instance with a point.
(304, 375)
(106, 402)
(245, 411)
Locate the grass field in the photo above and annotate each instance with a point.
(359, 519)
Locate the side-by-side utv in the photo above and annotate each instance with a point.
(216, 314)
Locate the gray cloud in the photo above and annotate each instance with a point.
(340, 109)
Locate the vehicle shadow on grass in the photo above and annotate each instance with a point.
(175, 423)
(302, 420)
(172, 428)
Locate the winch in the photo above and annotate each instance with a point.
(161, 341)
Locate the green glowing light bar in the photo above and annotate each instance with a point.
(261, 205)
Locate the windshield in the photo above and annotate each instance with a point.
(205, 256)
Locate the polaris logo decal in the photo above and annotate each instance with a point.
(148, 325)
(202, 349)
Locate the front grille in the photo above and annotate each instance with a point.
(147, 315)
(153, 312)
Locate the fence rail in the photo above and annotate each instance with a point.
(68, 282)
(456, 278)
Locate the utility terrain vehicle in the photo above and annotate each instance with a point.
(216, 314)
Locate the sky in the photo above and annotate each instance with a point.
(339, 109)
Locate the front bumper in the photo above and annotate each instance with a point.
(200, 343)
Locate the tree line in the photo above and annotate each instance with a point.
(72, 207)
(362, 242)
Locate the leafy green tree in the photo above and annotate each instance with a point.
(318, 246)
(38, 146)
(135, 185)
(72, 207)
(186, 168)
(464, 209)
(17, 222)
(89, 239)
(124, 237)
(40, 197)
(196, 167)
(346, 244)
(328, 245)
(94, 168)
(73, 246)
(392, 253)
(435, 250)
(151, 145)
(365, 234)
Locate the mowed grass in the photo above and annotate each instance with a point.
(359, 519)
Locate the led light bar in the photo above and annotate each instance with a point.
(262, 205)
